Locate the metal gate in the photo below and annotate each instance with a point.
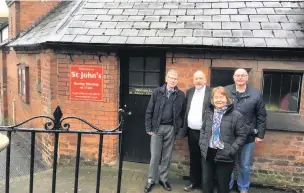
(56, 126)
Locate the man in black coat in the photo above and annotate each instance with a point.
(197, 100)
(248, 101)
(164, 117)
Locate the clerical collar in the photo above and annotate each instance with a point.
(199, 89)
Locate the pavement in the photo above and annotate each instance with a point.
(20, 157)
(133, 181)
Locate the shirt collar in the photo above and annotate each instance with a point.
(170, 89)
(200, 89)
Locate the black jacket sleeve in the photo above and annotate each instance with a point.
(149, 111)
(241, 133)
(261, 118)
(202, 131)
(182, 132)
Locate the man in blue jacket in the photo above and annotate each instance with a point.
(248, 101)
(164, 117)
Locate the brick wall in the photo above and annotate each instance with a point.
(53, 90)
(103, 114)
(279, 159)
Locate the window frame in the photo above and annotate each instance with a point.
(282, 72)
(23, 82)
(144, 71)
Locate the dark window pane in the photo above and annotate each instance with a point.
(152, 64)
(136, 79)
(136, 63)
(285, 91)
(266, 90)
(275, 92)
(290, 99)
(152, 79)
(221, 77)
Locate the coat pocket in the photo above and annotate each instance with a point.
(225, 154)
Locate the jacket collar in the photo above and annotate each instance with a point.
(246, 93)
(229, 109)
(163, 89)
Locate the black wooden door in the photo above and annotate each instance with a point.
(140, 75)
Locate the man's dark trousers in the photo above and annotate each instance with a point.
(195, 157)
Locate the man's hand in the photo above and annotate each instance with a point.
(149, 133)
(258, 140)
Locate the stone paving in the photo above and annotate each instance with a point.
(20, 157)
(134, 179)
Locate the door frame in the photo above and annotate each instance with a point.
(124, 67)
(124, 71)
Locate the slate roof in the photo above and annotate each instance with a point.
(3, 22)
(242, 23)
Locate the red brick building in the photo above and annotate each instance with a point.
(132, 45)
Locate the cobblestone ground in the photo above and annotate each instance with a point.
(134, 179)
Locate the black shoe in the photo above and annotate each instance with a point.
(191, 187)
(148, 187)
(165, 185)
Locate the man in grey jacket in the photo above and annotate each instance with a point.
(164, 117)
(248, 101)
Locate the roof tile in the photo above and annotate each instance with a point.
(154, 40)
(213, 41)
(173, 40)
(117, 40)
(147, 32)
(183, 32)
(193, 40)
(235, 42)
(136, 40)
(262, 33)
(222, 33)
(165, 32)
(254, 42)
(275, 42)
(203, 33)
(100, 39)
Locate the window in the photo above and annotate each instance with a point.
(38, 81)
(281, 91)
(23, 82)
(144, 72)
(221, 77)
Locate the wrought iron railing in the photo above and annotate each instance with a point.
(56, 126)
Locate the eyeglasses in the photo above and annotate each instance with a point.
(240, 75)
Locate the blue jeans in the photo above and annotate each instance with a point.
(244, 157)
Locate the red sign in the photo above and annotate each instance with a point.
(86, 82)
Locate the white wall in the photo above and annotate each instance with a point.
(4, 34)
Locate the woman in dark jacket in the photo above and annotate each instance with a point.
(222, 135)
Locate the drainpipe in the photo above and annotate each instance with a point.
(14, 112)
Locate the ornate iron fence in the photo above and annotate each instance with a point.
(56, 126)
